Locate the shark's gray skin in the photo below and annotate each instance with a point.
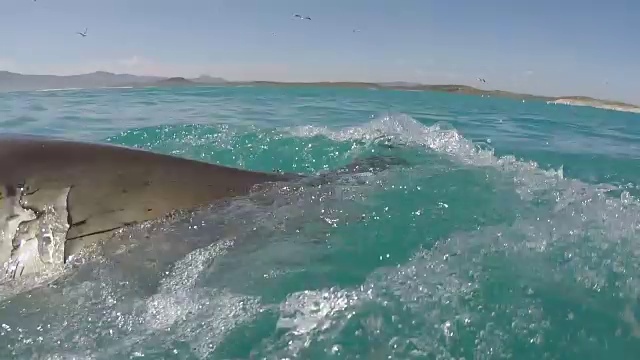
(81, 193)
(59, 196)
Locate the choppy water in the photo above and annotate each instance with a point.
(511, 232)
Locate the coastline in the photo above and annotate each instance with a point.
(460, 89)
(101, 79)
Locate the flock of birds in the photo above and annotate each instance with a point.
(297, 16)
(300, 17)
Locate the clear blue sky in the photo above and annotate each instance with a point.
(549, 47)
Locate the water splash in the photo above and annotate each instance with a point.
(549, 270)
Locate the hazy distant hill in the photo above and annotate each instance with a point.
(206, 79)
(15, 82)
(20, 82)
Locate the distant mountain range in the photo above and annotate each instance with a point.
(19, 82)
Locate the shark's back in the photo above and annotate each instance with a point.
(96, 189)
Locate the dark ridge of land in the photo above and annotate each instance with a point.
(453, 88)
(392, 86)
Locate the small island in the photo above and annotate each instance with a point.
(174, 81)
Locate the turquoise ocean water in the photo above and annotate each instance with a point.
(509, 230)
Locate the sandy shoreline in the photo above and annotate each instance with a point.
(596, 104)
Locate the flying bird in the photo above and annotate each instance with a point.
(301, 17)
(482, 80)
(84, 34)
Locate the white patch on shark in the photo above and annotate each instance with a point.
(32, 242)
(12, 214)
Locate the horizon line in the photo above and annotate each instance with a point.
(411, 84)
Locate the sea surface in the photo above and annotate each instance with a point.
(500, 229)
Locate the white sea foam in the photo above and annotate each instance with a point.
(579, 242)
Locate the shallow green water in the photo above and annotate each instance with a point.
(511, 232)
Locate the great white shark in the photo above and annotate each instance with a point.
(58, 196)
